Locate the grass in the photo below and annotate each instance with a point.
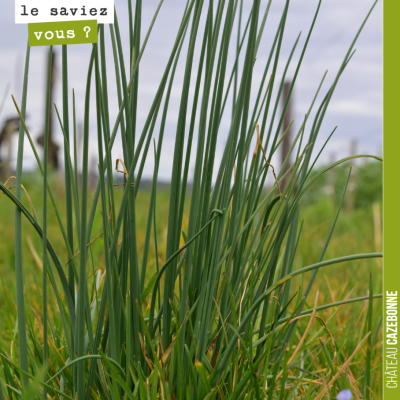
(353, 233)
(212, 294)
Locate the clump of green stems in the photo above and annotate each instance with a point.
(217, 319)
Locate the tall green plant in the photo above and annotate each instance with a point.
(217, 317)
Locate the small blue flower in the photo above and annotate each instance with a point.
(286, 383)
(345, 395)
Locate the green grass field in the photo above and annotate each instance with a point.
(355, 233)
(234, 290)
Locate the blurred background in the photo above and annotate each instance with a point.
(356, 107)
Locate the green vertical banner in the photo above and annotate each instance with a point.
(391, 198)
(62, 32)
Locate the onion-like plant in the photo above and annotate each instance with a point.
(217, 318)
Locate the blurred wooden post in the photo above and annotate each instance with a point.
(93, 173)
(53, 147)
(351, 186)
(287, 119)
(331, 180)
(10, 126)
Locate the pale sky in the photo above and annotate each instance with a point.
(356, 106)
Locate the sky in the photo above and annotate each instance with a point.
(356, 106)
